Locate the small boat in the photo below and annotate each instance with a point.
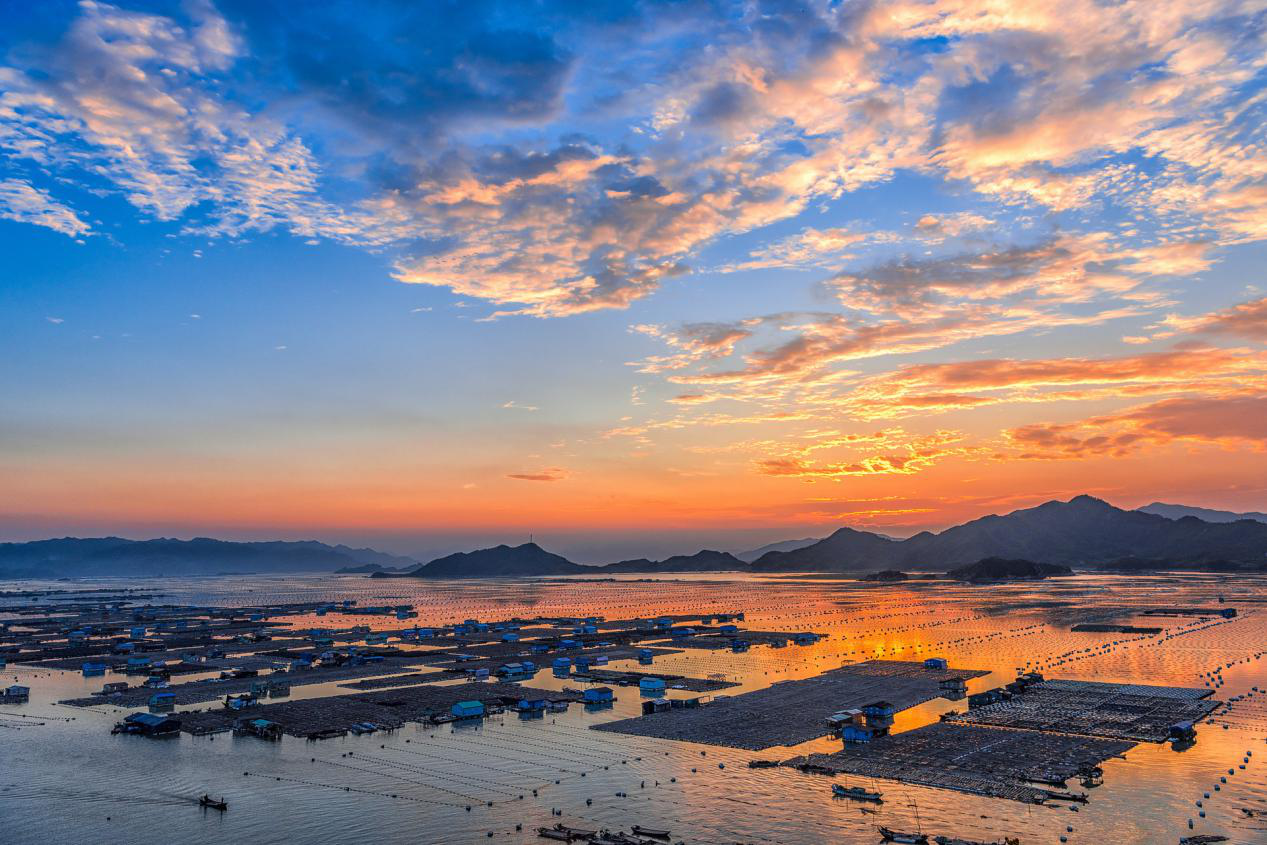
(763, 764)
(899, 836)
(651, 832)
(1202, 839)
(212, 804)
(1077, 797)
(551, 833)
(857, 793)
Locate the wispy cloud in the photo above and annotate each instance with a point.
(547, 474)
(23, 202)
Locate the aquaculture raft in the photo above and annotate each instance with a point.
(1119, 711)
(994, 762)
(793, 712)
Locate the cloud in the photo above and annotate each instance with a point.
(23, 202)
(559, 160)
(1229, 421)
(548, 474)
(938, 227)
(808, 249)
(1061, 268)
(928, 388)
(891, 452)
(1246, 319)
(518, 407)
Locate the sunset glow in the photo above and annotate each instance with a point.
(632, 278)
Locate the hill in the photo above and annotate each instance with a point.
(1084, 531)
(70, 557)
(999, 569)
(1204, 514)
(702, 561)
(499, 562)
(781, 546)
(845, 550)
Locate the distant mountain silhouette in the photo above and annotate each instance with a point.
(499, 562)
(702, 561)
(79, 557)
(845, 550)
(1205, 514)
(781, 546)
(1084, 531)
(1001, 569)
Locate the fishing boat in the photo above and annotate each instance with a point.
(899, 836)
(650, 832)
(857, 793)
(1202, 839)
(763, 764)
(551, 833)
(948, 840)
(1076, 797)
(212, 804)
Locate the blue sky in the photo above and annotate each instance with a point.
(627, 276)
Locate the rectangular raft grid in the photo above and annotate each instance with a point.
(1118, 711)
(994, 762)
(793, 712)
(387, 708)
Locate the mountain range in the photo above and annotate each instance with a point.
(1083, 532)
(1205, 514)
(70, 557)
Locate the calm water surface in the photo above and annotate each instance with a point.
(64, 778)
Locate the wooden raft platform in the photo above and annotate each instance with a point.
(793, 712)
(994, 762)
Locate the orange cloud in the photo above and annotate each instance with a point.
(1225, 421)
(548, 474)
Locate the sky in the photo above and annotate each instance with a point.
(629, 278)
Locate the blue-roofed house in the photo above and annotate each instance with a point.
(468, 709)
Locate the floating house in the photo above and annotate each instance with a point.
(582, 664)
(857, 733)
(16, 694)
(728, 629)
(238, 702)
(651, 686)
(838, 721)
(91, 670)
(148, 724)
(163, 700)
(598, 695)
(510, 637)
(806, 638)
(938, 663)
(468, 709)
(527, 705)
(879, 710)
(562, 664)
(568, 644)
(658, 705)
(985, 699)
(114, 688)
(260, 728)
(1183, 732)
(480, 674)
(645, 655)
